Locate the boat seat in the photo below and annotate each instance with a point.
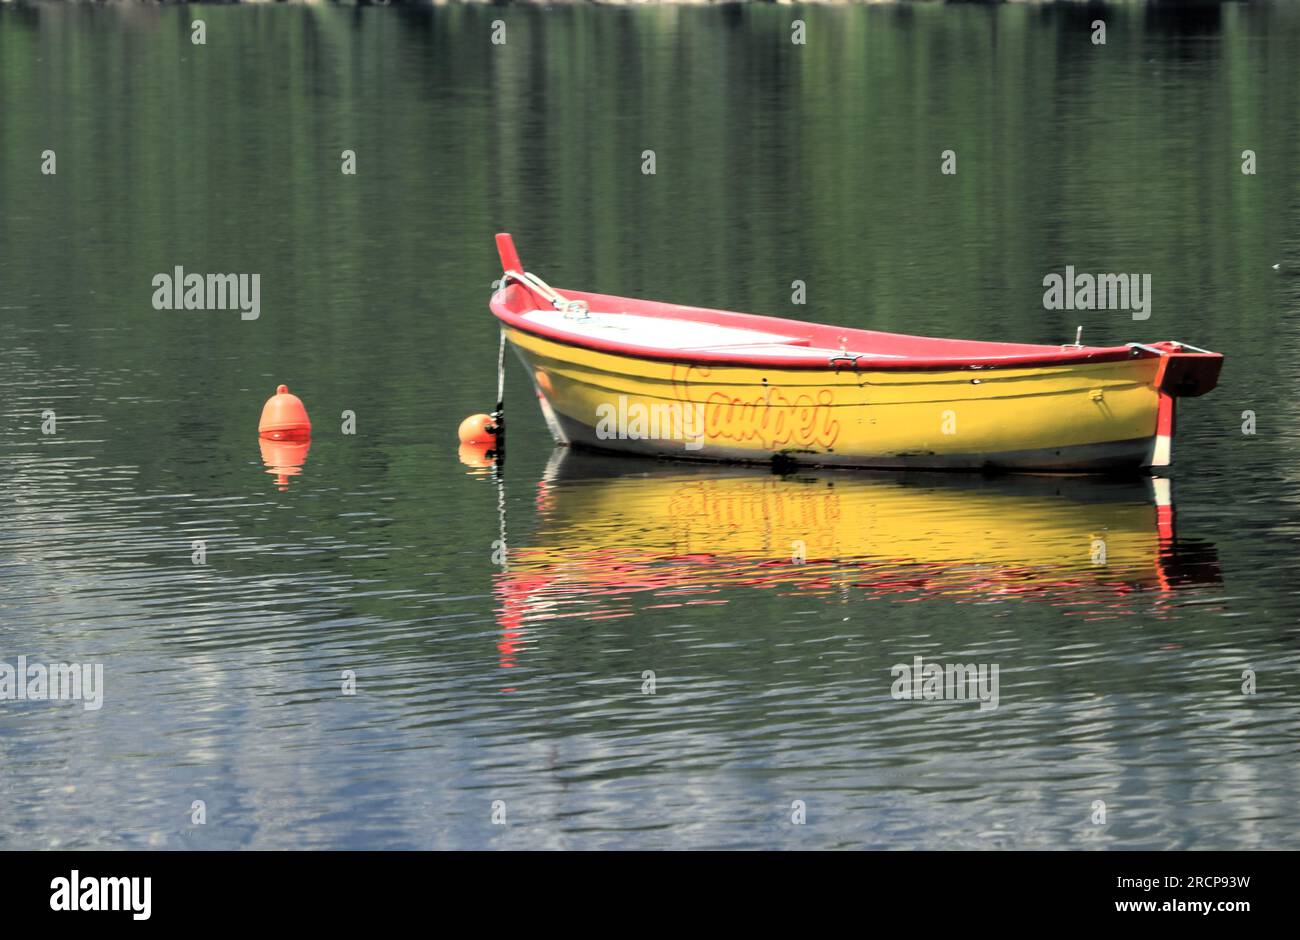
(659, 332)
(802, 350)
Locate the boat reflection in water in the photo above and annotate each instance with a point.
(615, 536)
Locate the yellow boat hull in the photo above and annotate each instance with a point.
(1079, 416)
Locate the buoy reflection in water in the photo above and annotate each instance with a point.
(284, 459)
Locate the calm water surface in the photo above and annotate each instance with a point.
(523, 682)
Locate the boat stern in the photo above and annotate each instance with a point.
(1185, 371)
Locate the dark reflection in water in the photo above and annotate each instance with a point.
(501, 633)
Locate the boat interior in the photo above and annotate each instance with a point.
(654, 326)
(677, 334)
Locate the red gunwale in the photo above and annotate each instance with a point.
(922, 353)
(1197, 373)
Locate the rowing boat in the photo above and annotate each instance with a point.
(646, 377)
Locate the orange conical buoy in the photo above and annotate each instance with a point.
(284, 417)
(478, 429)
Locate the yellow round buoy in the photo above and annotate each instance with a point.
(478, 429)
